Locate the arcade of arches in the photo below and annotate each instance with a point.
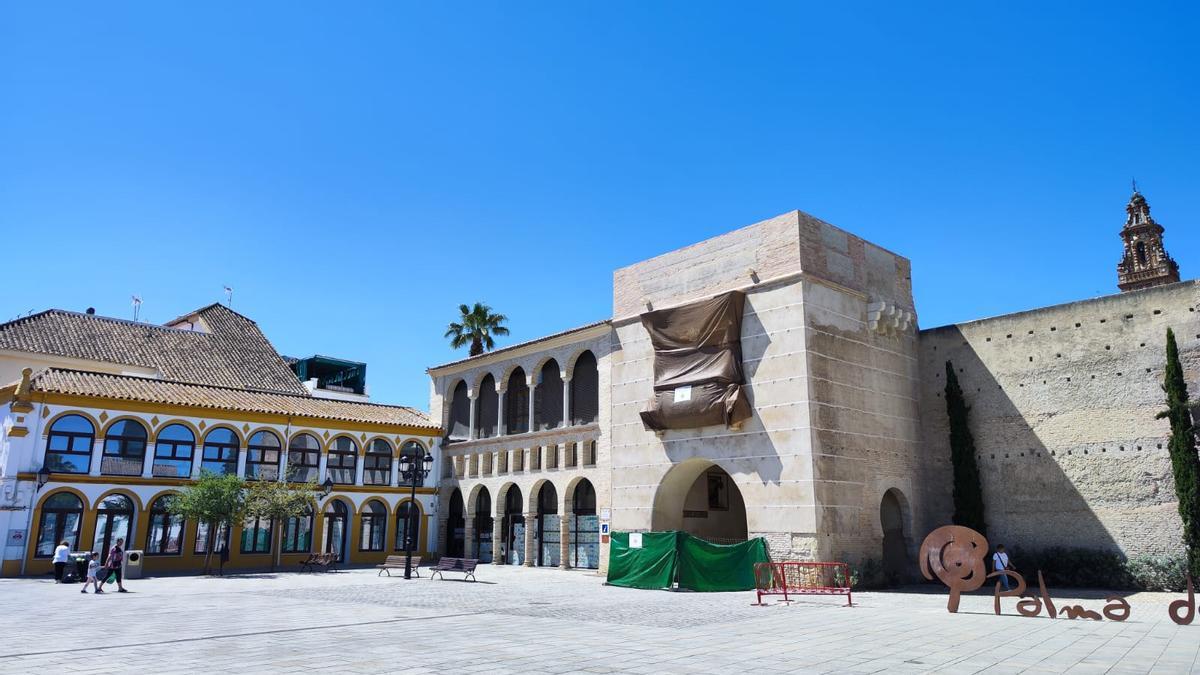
(547, 528)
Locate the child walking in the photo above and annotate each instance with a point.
(93, 574)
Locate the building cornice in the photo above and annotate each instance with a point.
(524, 349)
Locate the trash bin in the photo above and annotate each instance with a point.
(79, 564)
(132, 565)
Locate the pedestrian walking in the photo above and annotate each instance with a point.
(61, 555)
(115, 556)
(1000, 563)
(93, 574)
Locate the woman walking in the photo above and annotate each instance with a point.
(61, 555)
(115, 555)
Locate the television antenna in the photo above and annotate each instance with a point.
(137, 306)
(228, 297)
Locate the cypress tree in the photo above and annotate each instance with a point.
(968, 493)
(1185, 464)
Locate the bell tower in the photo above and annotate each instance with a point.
(1146, 262)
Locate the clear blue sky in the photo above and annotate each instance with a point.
(357, 170)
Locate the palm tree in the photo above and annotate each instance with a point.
(477, 325)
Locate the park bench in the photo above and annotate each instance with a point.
(464, 565)
(316, 561)
(396, 562)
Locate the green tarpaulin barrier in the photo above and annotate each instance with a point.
(650, 566)
(666, 557)
(705, 566)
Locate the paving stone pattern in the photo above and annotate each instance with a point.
(547, 621)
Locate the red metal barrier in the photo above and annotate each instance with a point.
(802, 578)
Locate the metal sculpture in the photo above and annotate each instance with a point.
(955, 555)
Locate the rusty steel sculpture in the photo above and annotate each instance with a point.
(956, 556)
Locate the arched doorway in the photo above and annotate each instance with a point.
(700, 498)
(114, 520)
(584, 549)
(483, 525)
(549, 527)
(455, 526)
(336, 523)
(895, 548)
(513, 527)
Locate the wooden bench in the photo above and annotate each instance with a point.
(464, 565)
(316, 561)
(396, 562)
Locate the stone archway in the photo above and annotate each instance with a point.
(455, 526)
(893, 521)
(700, 498)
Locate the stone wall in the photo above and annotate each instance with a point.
(1063, 403)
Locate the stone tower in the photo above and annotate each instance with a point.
(1146, 262)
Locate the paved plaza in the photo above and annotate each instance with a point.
(548, 621)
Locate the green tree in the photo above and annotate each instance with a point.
(1185, 465)
(279, 501)
(212, 501)
(968, 493)
(476, 326)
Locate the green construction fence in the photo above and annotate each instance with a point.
(664, 558)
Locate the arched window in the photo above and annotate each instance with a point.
(547, 397)
(483, 525)
(456, 526)
(585, 390)
(549, 532)
(220, 452)
(173, 452)
(304, 459)
(124, 449)
(516, 403)
(62, 513)
(165, 535)
(408, 527)
(460, 413)
(256, 535)
(297, 533)
(212, 532)
(336, 521)
(69, 445)
(1141, 252)
(585, 528)
(262, 458)
(114, 520)
(374, 527)
(377, 465)
(342, 460)
(487, 408)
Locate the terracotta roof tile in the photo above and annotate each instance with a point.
(130, 388)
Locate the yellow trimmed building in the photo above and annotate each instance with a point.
(103, 418)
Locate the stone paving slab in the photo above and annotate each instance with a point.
(547, 621)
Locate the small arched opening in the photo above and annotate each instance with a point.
(337, 518)
(549, 527)
(895, 546)
(516, 403)
(483, 525)
(512, 527)
(460, 413)
(584, 549)
(548, 397)
(455, 525)
(487, 411)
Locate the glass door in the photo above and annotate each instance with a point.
(113, 522)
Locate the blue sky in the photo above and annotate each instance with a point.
(356, 170)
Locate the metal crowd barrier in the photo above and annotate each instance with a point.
(802, 578)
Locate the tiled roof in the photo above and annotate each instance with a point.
(519, 345)
(147, 390)
(234, 353)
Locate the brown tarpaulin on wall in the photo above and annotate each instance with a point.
(697, 364)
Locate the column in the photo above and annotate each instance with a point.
(530, 540)
(283, 464)
(566, 401)
(322, 464)
(498, 543)
(500, 426)
(148, 461)
(197, 460)
(471, 396)
(358, 469)
(241, 463)
(469, 537)
(564, 561)
(97, 457)
(394, 474)
(532, 392)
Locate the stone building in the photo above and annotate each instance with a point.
(844, 455)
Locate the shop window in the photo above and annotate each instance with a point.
(256, 535)
(297, 533)
(61, 516)
(165, 535)
(373, 527)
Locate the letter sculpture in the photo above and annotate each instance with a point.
(955, 555)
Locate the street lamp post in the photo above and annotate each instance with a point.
(415, 464)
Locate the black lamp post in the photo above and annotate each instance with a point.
(43, 476)
(326, 487)
(413, 468)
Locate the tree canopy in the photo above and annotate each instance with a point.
(475, 326)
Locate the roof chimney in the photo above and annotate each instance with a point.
(91, 310)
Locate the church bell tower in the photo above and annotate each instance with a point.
(1146, 262)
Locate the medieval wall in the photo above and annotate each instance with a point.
(1063, 403)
